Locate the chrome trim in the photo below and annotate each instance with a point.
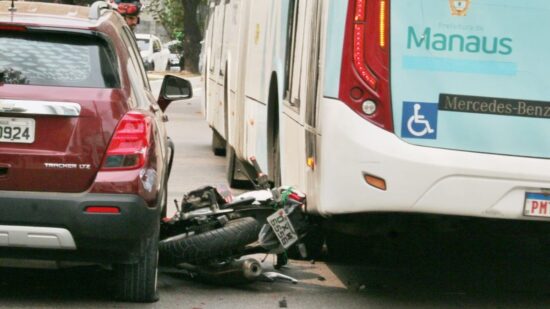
(66, 109)
(36, 237)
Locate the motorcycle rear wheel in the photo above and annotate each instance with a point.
(223, 242)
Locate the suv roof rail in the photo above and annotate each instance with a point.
(98, 8)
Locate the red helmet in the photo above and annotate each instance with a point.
(129, 9)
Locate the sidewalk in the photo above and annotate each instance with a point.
(160, 75)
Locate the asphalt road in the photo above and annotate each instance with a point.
(448, 268)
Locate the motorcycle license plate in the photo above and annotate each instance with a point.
(283, 228)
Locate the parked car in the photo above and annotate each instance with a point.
(84, 156)
(174, 60)
(177, 58)
(155, 55)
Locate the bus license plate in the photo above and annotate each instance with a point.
(537, 204)
(283, 228)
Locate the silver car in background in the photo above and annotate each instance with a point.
(155, 55)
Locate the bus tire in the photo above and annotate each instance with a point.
(218, 144)
(222, 242)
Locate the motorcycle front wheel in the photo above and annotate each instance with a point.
(226, 241)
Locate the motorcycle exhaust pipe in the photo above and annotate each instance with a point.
(234, 272)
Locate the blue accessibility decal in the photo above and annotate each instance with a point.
(419, 120)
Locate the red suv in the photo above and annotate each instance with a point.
(84, 156)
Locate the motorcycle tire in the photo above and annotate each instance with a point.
(223, 242)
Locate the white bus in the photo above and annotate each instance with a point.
(416, 106)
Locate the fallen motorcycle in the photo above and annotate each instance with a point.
(211, 229)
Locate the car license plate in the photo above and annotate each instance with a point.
(283, 228)
(537, 204)
(17, 130)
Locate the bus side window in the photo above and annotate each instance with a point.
(290, 42)
(313, 65)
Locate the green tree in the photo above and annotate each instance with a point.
(192, 34)
(183, 21)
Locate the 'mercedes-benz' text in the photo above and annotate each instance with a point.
(496, 106)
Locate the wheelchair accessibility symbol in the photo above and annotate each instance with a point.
(419, 120)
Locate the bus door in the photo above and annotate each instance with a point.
(312, 130)
(227, 38)
(237, 110)
(292, 133)
(213, 65)
(299, 108)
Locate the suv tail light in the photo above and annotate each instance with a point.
(128, 147)
(364, 80)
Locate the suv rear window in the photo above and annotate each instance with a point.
(51, 59)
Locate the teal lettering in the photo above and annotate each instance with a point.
(456, 38)
(457, 42)
(473, 45)
(440, 42)
(491, 50)
(425, 38)
(506, 49)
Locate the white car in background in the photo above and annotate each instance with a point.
(155, 55)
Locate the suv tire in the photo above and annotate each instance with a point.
(138, 282)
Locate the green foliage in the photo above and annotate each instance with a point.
(170, 13)
(172, 18)
(184, 20)
(178, 35)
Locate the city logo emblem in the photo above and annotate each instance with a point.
(419, 120)
(459, 7)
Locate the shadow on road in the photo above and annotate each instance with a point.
(43, 286)
(494, 263)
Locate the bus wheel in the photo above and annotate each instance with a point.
(218, 144)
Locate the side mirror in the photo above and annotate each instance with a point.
(174, 88)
